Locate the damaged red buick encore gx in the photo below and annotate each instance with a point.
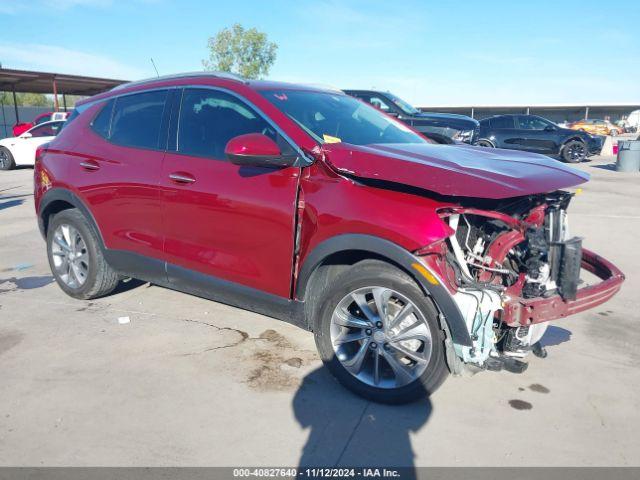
(407, 260)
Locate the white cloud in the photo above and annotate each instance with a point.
(63, 60)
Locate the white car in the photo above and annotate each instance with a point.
(21, 150)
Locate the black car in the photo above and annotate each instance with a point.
(532, 133)
(440, 127)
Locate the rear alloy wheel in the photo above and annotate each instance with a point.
(6, 159)
(379, 335)
(485, 143)
(574, 151)
(76, 259)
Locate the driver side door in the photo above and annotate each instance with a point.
(539, 136)
(222, 220)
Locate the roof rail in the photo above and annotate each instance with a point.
(226, 75)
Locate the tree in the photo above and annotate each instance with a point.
(247, 53)
(26, 99)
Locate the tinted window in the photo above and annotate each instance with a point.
(46, 130)
(43, 119)
(209, 119)
(501, 122)
(102, 120)
(528, 122)
(379, 103)
(136, 119)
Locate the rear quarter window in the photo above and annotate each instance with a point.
(137, 118)
(101, 123)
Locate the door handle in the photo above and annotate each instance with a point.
(181, 178)
(90, 165)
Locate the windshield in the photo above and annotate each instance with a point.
(332, 117)
(402, 105)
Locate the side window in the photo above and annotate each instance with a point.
(46, 130)
(379, 104)
(102, 121)
(500, 123)
(210, 118)
(43, 119)
(137, 118)
(531, 123)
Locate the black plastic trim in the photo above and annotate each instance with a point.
(398, 255)
(56, 194)
(206, 286)
(237, 295)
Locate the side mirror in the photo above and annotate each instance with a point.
(393, 114)
(549, 128)
(257, 150)
(26, 135)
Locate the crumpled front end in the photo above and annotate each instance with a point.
(511, 267)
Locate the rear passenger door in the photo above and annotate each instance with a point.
(503, 134)
(119, 175)
(222, 220)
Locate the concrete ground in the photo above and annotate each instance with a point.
(192, 382)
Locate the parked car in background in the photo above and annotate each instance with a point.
(596, 127)
(440, 127)
(20, 128)
(531, 133)
(21, 150)
(407, 260)
(633, 121)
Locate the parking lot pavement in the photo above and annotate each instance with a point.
(192, 382)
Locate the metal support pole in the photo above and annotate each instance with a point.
(15, 104)
(64, 101)
(586, 113)
(4, 120)
(472, 112)
(55, 96)
(528, 110)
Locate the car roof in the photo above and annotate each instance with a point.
(205, 78)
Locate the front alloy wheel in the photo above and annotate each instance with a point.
(574, 152)
(378, 333)
(380, 337)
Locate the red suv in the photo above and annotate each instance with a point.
(408, 260)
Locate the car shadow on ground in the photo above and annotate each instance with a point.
(14, 202)
(555, 336)
(25, 283)
(606, 166)
(348, 431)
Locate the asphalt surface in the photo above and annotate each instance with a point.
(191, 382)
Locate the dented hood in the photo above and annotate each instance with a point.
(458, 170)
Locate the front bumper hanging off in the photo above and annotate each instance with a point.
(520, 311)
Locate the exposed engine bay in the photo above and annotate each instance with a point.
(518, 249)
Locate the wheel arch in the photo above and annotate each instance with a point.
(484, 139)
(58, 199)
(333, 255)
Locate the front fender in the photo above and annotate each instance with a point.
(429, 281)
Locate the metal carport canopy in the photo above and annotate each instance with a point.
(44, 82)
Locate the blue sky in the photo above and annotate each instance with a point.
(428, 52)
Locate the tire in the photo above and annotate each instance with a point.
(6, 159)
(574, 151)
(485, 143)
(387, 386)
(87, 276)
